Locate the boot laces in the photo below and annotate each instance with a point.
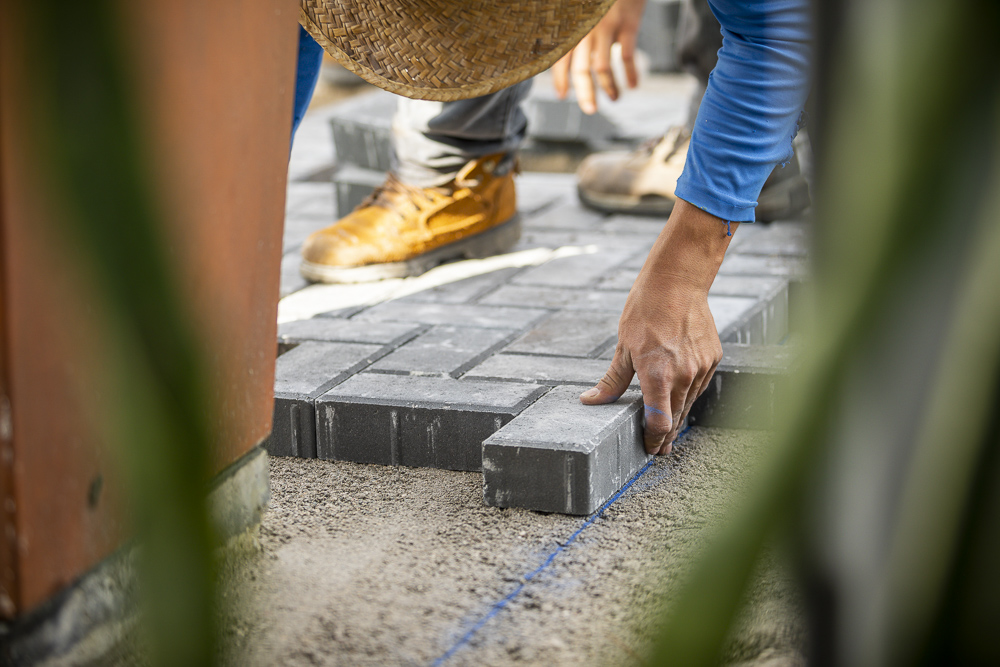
(395, 195)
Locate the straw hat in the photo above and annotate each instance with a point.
(448, 49)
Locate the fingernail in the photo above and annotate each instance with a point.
(590, 393)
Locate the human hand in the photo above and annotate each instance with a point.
(666, 334)
(592, 56)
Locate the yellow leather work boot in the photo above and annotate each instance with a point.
(401, 230)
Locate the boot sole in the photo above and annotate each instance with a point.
(493, 241)
(651, 205)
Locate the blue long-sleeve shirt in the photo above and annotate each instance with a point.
(752, 106)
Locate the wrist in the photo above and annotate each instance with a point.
(691, 247)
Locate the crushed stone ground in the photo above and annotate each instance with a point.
(372, 565)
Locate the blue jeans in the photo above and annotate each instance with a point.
(306, 76)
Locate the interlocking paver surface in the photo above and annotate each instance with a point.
(444, 350)
(464, 359)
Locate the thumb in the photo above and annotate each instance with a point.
(614, 383)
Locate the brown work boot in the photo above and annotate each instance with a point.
(642, 182)
(401, 230)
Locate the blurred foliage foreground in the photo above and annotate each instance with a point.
(886, 476)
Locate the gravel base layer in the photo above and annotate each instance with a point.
(373, 565)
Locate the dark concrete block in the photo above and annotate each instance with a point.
(416, 421)
(301, 375)
(338, 330)
(444, 350)
(569, 334)
(747, 389)
(562, 456)
(557, 298)
(543, 370)
(487, 317)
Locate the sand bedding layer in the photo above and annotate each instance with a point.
(371, 565)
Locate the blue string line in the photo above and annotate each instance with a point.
(497, 607)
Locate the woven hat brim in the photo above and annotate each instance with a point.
(404, 47)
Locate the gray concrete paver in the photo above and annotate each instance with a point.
(337, 330)
(444, 350)
(510, 367)
(569, 334)
(490, 317)
(556, 298)
(562, 456)
(580, 270)
(300, 376)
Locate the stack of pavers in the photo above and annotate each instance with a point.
(483, 374)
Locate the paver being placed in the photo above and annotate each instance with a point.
(489, 317)
(562, 456)
(300, 376)
(416, 421)
(444, 350)
(557, 298)
(569, 334)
